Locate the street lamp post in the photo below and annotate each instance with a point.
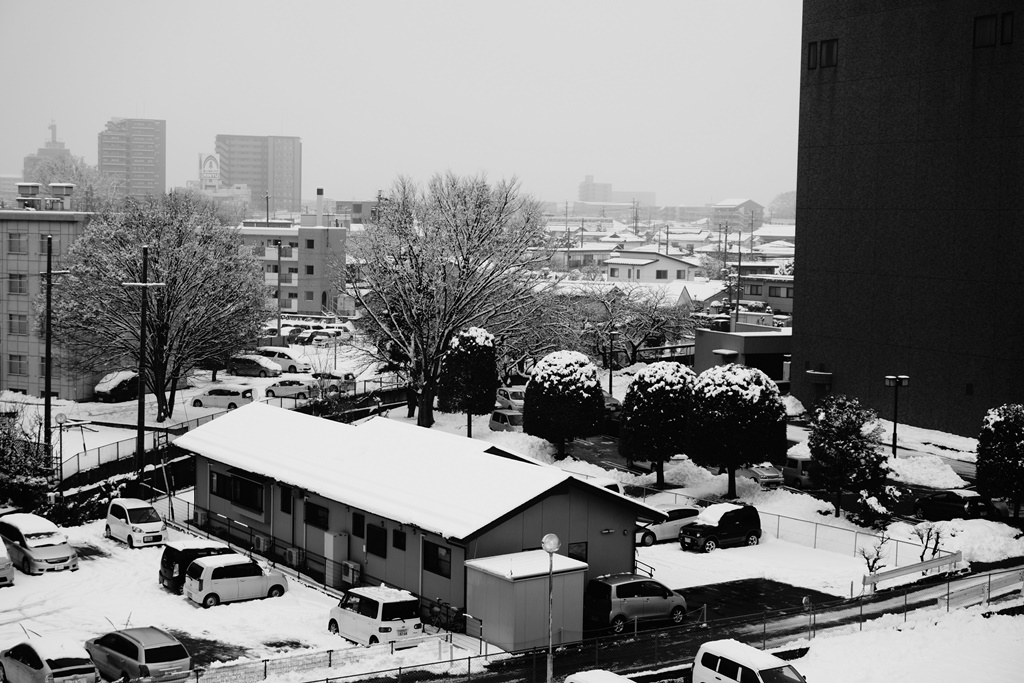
(551, 544)
(48, 362)
(895, 381)
(611, 357)
(140, 437)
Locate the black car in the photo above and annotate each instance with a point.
(178, 555)
(119, 386)
(721, 525)
(955, 504)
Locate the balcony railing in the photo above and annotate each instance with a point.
(270, 253)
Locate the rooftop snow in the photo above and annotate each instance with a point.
(526, 564)
(713, 513)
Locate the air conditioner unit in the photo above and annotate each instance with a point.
(51, 498)
(293, 556)
(199, 518)
(351, 572)
(260, 544)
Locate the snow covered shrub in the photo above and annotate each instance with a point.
(875, 507)
(845, 442)
(563, 398)
(469, 375)
(1001, 454)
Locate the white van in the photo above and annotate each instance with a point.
(228, 396)
(215, 579)
(135, 522)
(287, 360)
(376, 614)
(722, 661)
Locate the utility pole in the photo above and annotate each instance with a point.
(567, 241)
(48, 364)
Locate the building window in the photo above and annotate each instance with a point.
(247, 494)
(789, 292)
(661, 275)
(680, 275)
(985, 31)
(358, 525)
(220, 485)
(829, 53)
(755, 290)
(812, 55)
(613, 272)
(309, 244)
(293, 295)
(309, 270)
(17, 283)
(54, 370)
(42, 245)
(377, 541)
(398, 539)
(317, 515)
(17, 243)
(293, 271)
(775, 291)
(437, 559)
(1006, 36)
(286, 499)
(308, 296)
(17, 323)
(578, 551)
(17, 364)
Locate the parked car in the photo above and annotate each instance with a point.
(47, 659)
(614, 600)
(135, 522)
(506, 420)
(179, 554)
(612, 405)
(286, 359)
(295, 388)
(597, 676)
(214, 579)
(511, 397)
(35, 544)
(765, 474)
(678, 516)
(228, 396)
(955, 504)
(6, 567)
(731, 660)
(333, 381)
(115, 387)
(376, 614)
(252, 365)
(143, 652)
(720, 525)
(607, 483)
(326, 338)
(797, 470)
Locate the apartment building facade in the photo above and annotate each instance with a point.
(267, 164)
(135, 152)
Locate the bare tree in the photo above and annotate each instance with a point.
(455, 255)
(929, 534)
(874, 556)
(94, 191)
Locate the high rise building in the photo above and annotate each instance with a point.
(51, 149)
(135, 152)
(267, 164)
(909, 192)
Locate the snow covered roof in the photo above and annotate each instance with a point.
(701, 291)
(53, 648)
(776, 230)
(397, 471)
(112, 379)
(713, 513)
(29, 523)
(619, 261)
(740, 652)
(526, 564)
(734, 201)
(623, 236)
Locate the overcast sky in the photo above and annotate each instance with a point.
(695, 100)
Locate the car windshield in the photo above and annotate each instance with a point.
(397, 611)
(515, 420)
(166, 653)
(517, 395)
(44, 538)
(61, 663)
(143, 515)
(782, 674)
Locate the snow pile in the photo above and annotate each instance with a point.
(478, 334)
(794, 408)
(738, 380)
(925, 470)
(980, 540)
(565, 369)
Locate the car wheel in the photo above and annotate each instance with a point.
(333, 627)
(211, 600)
(647, 538)
(291, 368)
(332, 390)
(270, 393)
(232, 406)
(300, 396)
(197, 403)
(619, 624)
(275, 592)
(678, 615)
(263, 373)
(710, 545)
(26, 566)
(373, 640)
(125, 677)
(106, 532)
(753, 539)
(131, 543)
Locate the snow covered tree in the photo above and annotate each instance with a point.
(783, 206)
(563, 398)
(94, 191)
(844, 440)
(213, 300)
(24, 466)
(438, 261)
(1001, 454)
(739, 411)
(657, 414)
(469, 376)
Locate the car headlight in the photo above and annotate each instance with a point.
(136, 529)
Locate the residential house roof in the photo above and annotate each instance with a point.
(734, 201)
(619, 261)
(776, 230)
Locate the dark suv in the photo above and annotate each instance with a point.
(178, 555)
(720, 525)
(614, 600)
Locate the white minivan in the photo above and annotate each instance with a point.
(135, 522)
(376, 614)
(228, 396)
(288, 360)
(721, 661)
(214, 579)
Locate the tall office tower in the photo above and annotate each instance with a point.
(135, 152)
(268, 163)
(910, 187)
(53, 148)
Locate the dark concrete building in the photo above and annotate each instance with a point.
(266, 163)
(135, 152)
(909, 193)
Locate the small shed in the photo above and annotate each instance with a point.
(509, 595)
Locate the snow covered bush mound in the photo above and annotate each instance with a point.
(566, 369)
